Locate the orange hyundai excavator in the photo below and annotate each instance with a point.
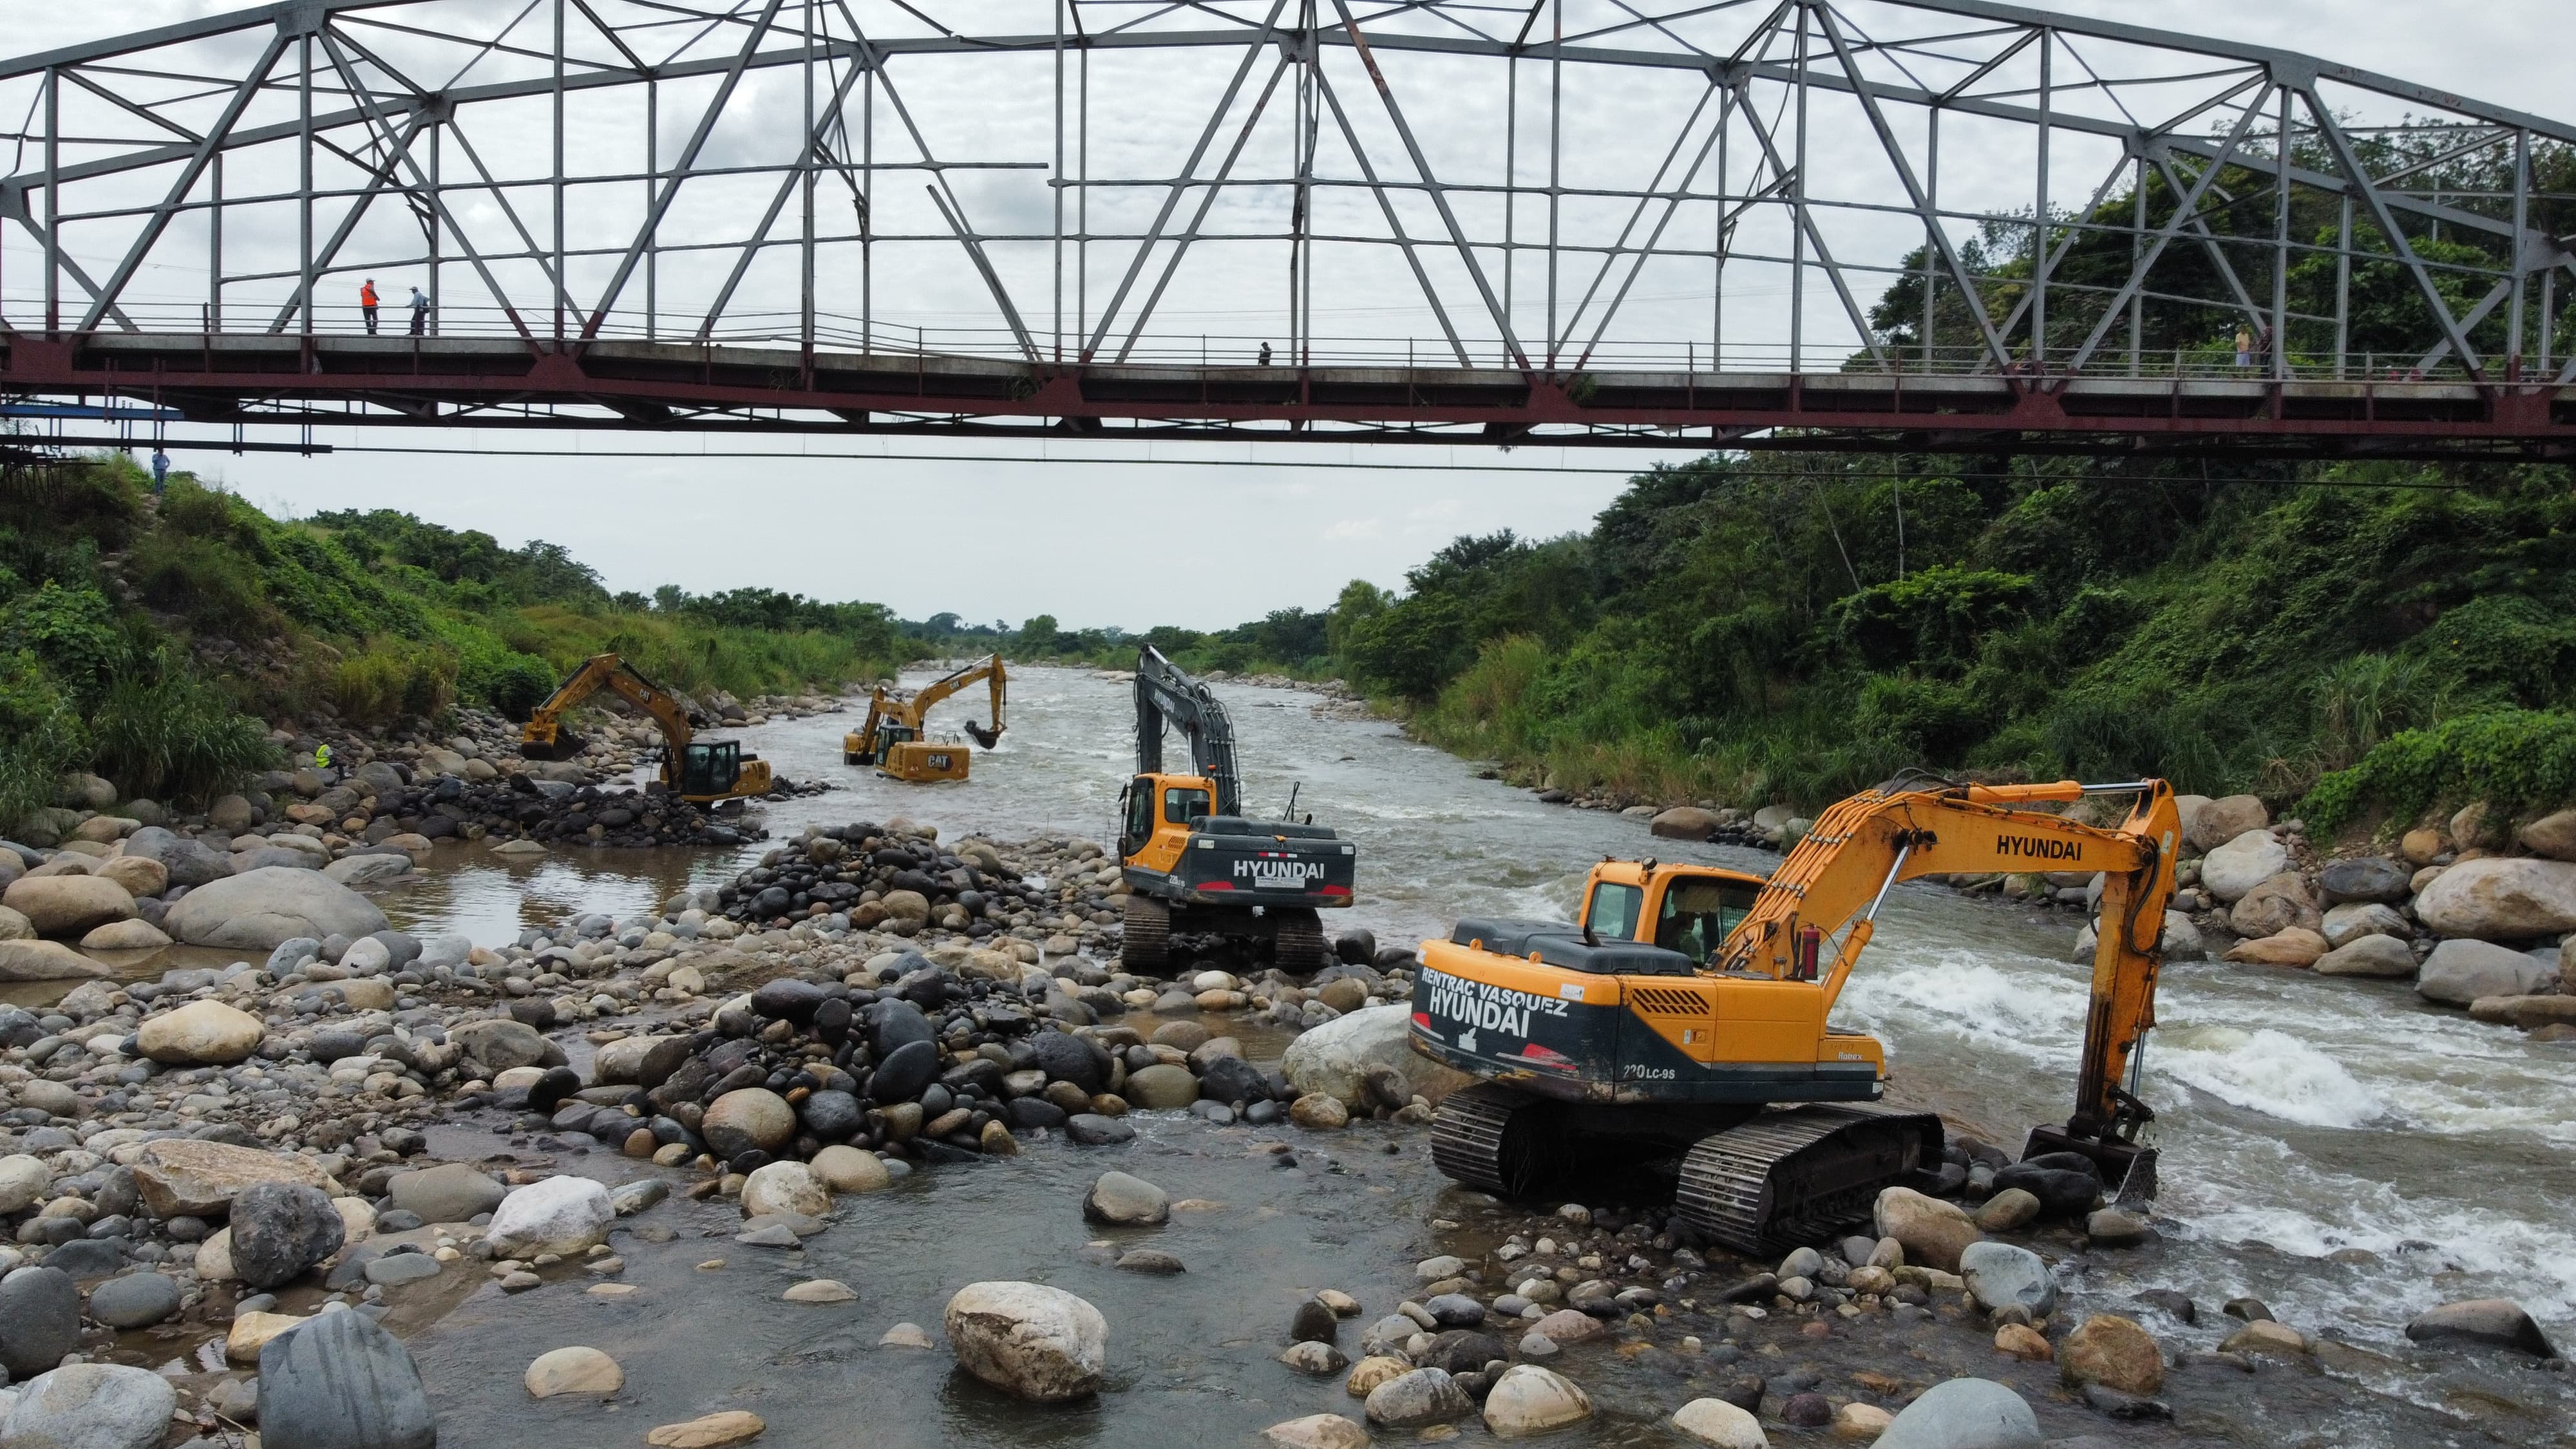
(1685, 1015)
(702, 771)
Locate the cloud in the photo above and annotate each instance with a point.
(1356, 528)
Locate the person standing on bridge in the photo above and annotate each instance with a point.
(419, 313)
(367, 303)
(2244, 347)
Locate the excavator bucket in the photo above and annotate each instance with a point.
(982, 736)
(2128, 1171)
(566, 745)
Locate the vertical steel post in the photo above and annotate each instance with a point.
(1055, 178)
(805, 188)
(1717, 240)
(1932, 220)
(53, 203)
(215, 245)
(2137, 252)
(868, 223)
(2039, 218)
(560, 295)
(438, 208)
(2281, 244)
(304, 186)
(2343, 287)
(1511, 169)
(1798, 214)
(1555, 162)
(652, 182)
(2521, 225)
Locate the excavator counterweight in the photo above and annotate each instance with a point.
(1681, 1026)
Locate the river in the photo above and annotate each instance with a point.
(2331, 1146)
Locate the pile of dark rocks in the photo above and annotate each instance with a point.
(896, 879)
(557, 812)
(931, 1066)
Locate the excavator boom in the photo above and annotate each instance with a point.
(1166, 695)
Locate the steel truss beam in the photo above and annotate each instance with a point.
(174, 153)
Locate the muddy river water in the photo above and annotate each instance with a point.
(2332, 1147)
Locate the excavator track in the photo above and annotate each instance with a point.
(1146, 943)
(1299, 947)
(1792, 1177)
(1483, 1137)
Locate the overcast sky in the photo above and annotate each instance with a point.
(1203, 541)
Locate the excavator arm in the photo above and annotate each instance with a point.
(1166, 695)
(989, 669)
(544, 737)
(1831, 886)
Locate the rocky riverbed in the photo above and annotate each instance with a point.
(549, 1248)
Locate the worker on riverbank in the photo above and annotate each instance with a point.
(367, 303)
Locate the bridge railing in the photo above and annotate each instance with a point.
(1212, 351)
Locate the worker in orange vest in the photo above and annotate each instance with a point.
(367, 303)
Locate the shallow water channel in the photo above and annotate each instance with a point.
(2331, 1146)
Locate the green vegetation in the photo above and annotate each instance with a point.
(150, 640)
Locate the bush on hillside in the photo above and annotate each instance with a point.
(165, 734)
(2515, 759)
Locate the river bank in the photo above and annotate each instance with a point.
(2303, 1166)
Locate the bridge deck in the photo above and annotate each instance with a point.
(265, 378)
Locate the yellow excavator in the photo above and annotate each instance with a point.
(701, 771)
(1684, 1016)
(892, 739)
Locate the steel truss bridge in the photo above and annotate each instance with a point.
(1915, 224)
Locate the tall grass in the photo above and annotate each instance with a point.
(168, 735)
(394, 679)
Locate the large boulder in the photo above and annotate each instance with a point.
(181, 1177)
(2552, 835)
(1530, 1400)
(563, 1215)
(2293, 946)
(1717, 1424)
(39, 1321)
(748, 1119)
(139, 875)
(183, 862)
(2214, 823)
(1035, 1342)
(1123, 1201)
(1684, 822)
(68, 905)
(452, 1192)
(501, 1043)
(1932, 1232)
(1965, 1414)
(2485, 1322)
(2366, 878)
(2277, 904)
(1417, 1400)
(2381, 956)
(200, 1034)
(2344, 924)
(2114, 1352)
(2496, 899)
(280, 1230)
(2460, 971)
(1999, 1275)
(44, 961)
(2241, 863)
(1336, 1058)
(258, 909)
(92, 1406)
(340, 1381)
(784, 1187)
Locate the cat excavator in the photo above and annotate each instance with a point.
(892, 738)
(701, 771)
(1677, 1034)
(1194, 862)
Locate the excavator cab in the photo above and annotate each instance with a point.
(710, 767)
(1684, 908)
(1156, 816)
